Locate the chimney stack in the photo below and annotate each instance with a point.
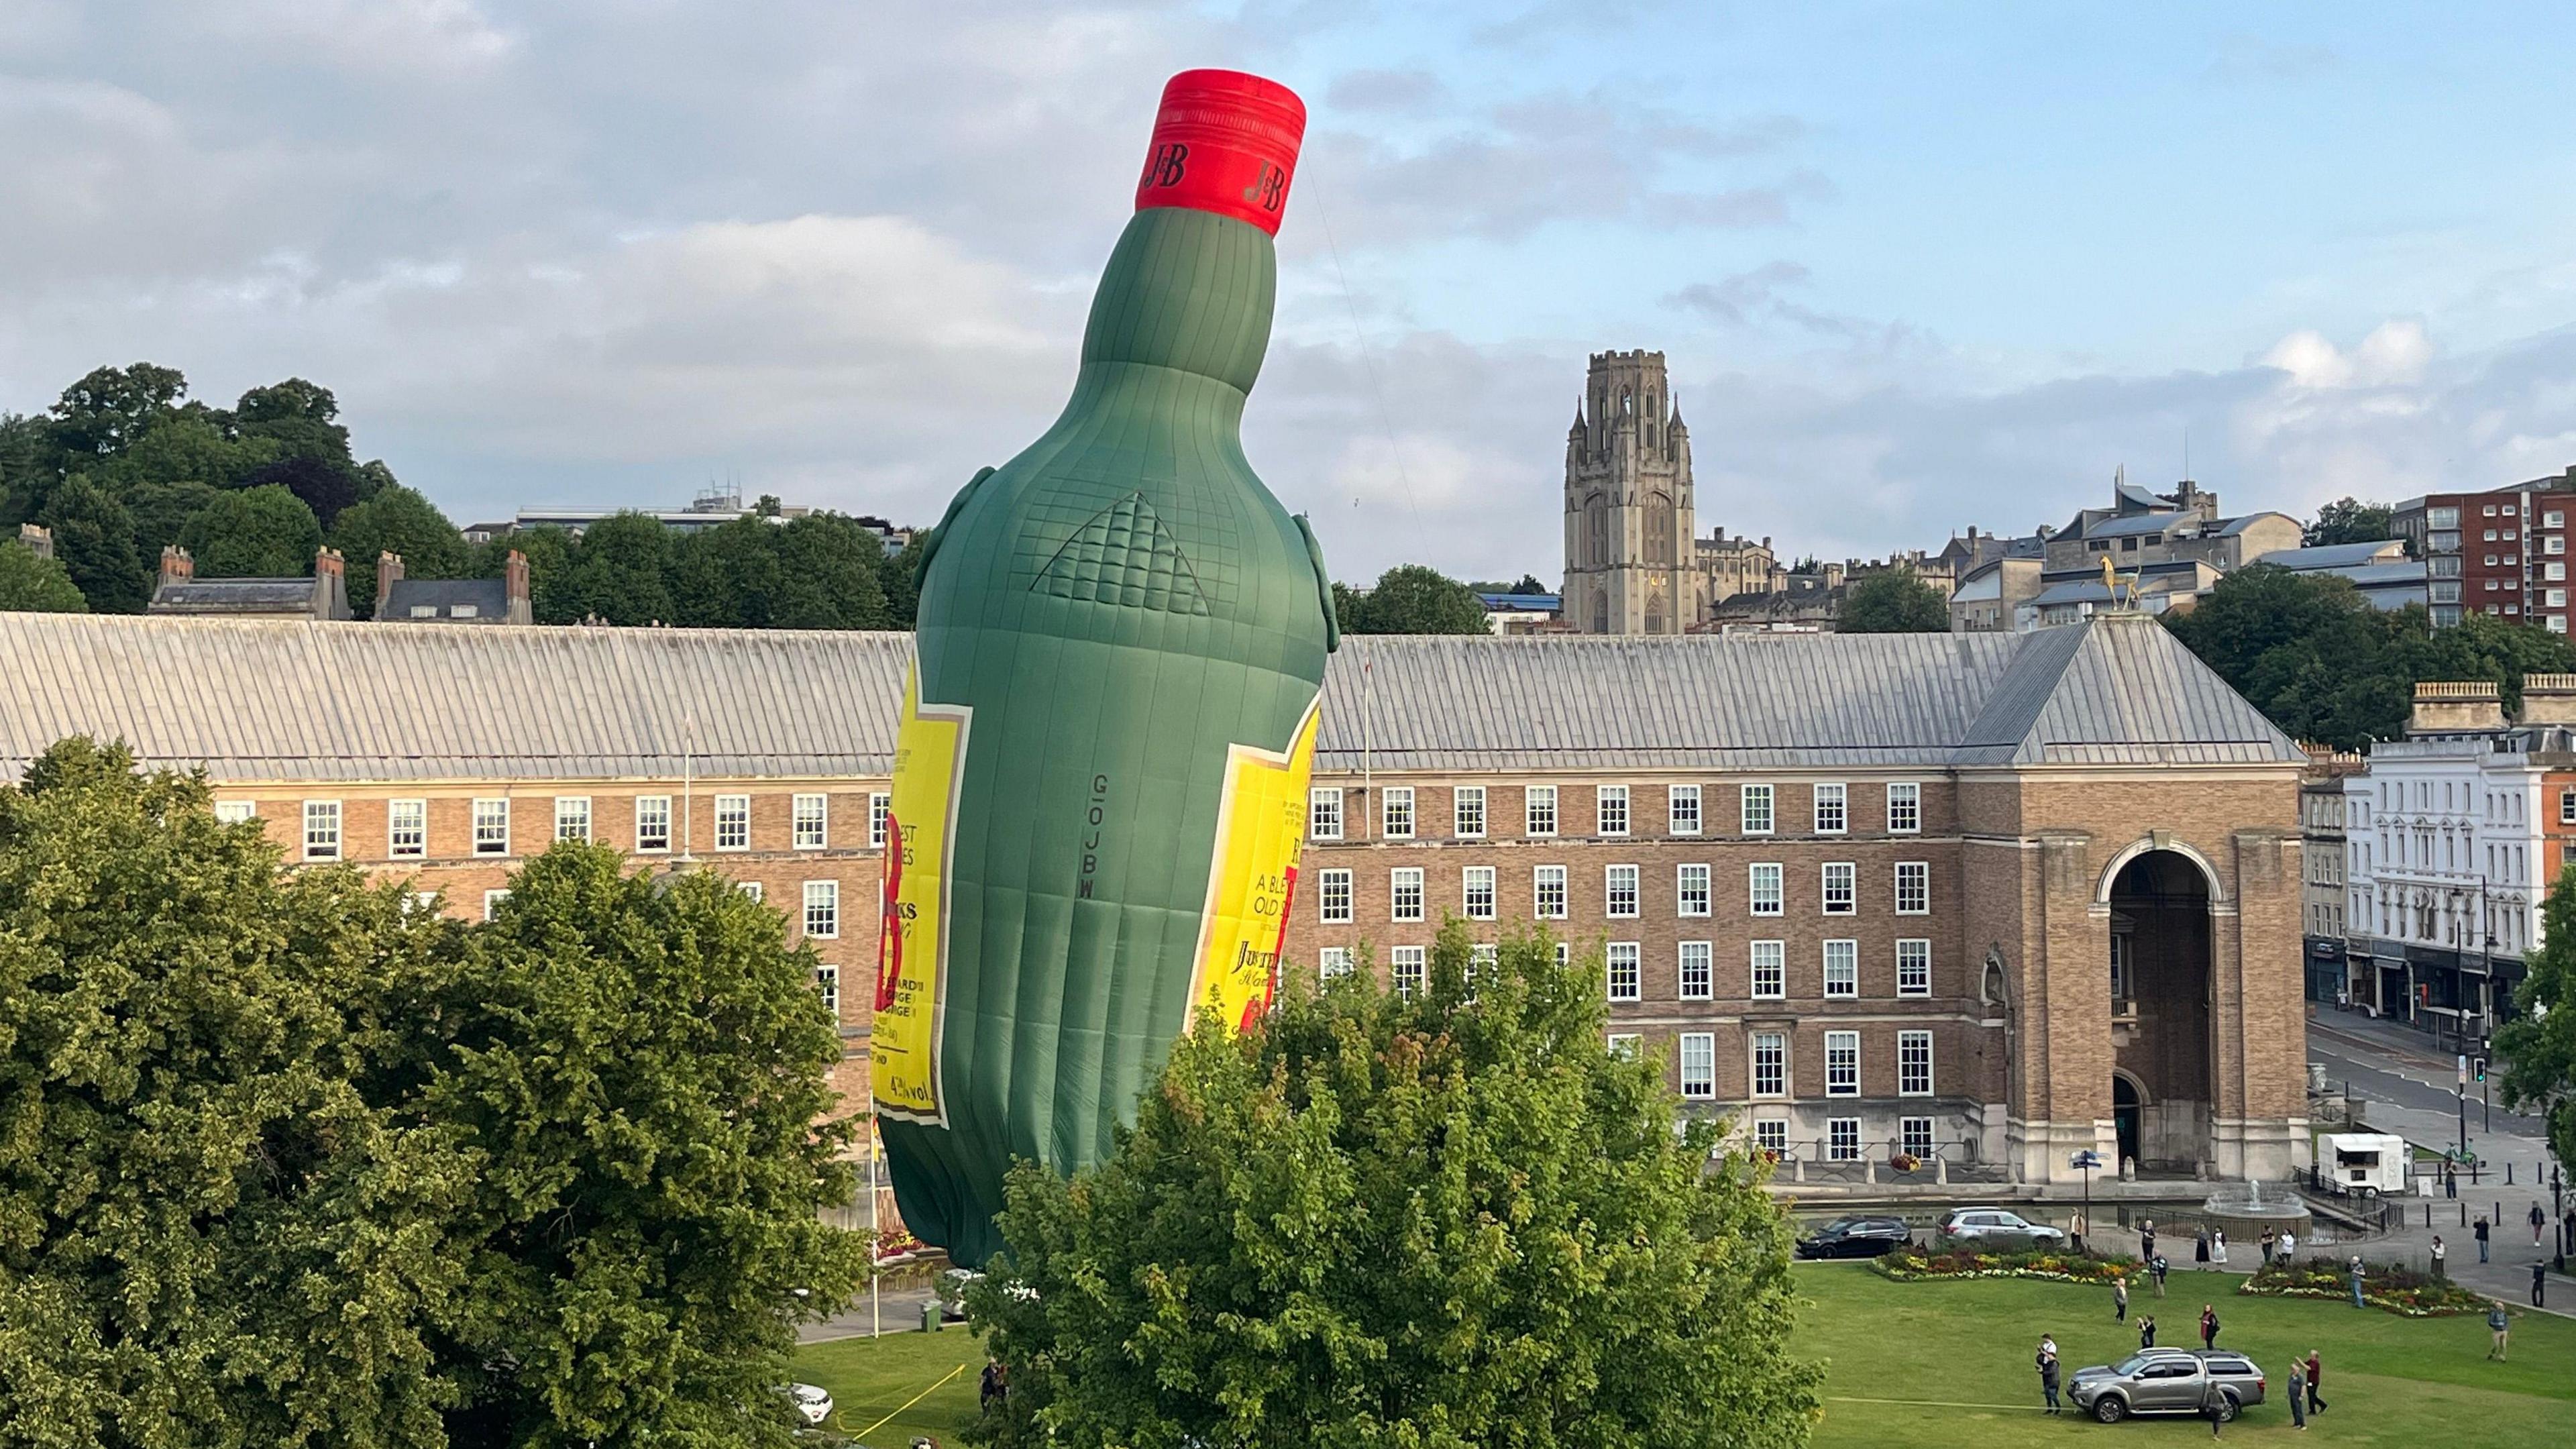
(2548, 699)
(176, 566)
(389, 572)
(330, 585)
(514, 584)
(39, 540)
(2454, 707)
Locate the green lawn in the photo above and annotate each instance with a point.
(1945, 1364)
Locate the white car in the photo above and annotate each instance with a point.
(813, 1405)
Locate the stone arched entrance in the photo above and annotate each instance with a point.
(2126, 1099)
(2161, 1010)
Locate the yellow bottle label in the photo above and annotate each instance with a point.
(912, 940)
(1260, 832)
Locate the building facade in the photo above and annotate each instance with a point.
(1998, 897)
(2501, 551)
(2323, 890)
(1631, 566)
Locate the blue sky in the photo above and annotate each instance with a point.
(1914, 266)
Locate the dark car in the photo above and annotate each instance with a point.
(2166, 1381)
(1855, 1238)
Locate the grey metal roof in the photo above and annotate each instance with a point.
(2073, 591)
(2227, 527)
(233, 595)
(2335, 555)
(301, 700)
(2140, 523)
(490, 598)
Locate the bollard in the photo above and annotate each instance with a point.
(2464, 1215)
(2428, 1215)
(1941, 1171)
(2508, 1172)
(1869, 1170)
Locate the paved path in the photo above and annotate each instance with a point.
(897, 1312)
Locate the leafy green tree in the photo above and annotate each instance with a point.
(161, 511)
(2537, 1042)
(36, 585)
(726, 577)
(113, 407)
(636, 1067)
(94, 538)
(1411, 599)
(253, 533)
(207, 1234)
(321, 485)
(619, 572)
(397, 520)
(2349, 520)
(550, 553)
(828, 572)
(1892, 601)
(899, 578)
(1440, 1222)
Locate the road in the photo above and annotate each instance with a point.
(2418, 1079)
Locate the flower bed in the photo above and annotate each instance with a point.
(2384, 1286)
(1907, 1265)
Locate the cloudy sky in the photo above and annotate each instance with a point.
(1915, 266)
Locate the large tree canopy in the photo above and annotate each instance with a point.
(36, 585)
(399, 521)
(2349, 520)
(253, 533)
(1411, 599)
(1892, 602)
(2538, 1042)
(1445, 1220)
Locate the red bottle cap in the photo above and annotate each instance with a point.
(1224, 142)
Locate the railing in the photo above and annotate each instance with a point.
(1880, 1161)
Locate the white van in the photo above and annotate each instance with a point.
(2367, 1162)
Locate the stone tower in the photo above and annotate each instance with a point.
(1629, 564)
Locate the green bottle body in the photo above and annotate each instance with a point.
(1121, 639)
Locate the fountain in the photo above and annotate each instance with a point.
(2245, 1209)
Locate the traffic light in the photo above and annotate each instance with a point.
(2478, 1069)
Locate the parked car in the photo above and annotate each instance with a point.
(813, 1405)
(951, 1288)
(2166, 1381)
(1855, 1238)
(1993, 1230)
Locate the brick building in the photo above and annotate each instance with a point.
(2499, 551)
(1999, 895)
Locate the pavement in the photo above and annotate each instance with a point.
(897, 1311)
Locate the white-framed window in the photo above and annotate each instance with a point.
(1699, 1064)
(1765, 889)
(1770, 969)
(1564, 952)
(1406, 965)
(1842, 968)
(1619, 891)
(652, 823)
(421, 903)
(1681, 810)
(491, 827)
(1833, 809)
(1914, 968)
(234, 812)
(1627, 1046)
(1842, 1064)
(1697, 972)
(1842, 1139)
(1404, 893)
(1914, 1064)
(751, 888)
(321, 830)
(812, 816)
(1324, 813)
(1771, 1135)
(1610, 809)
(406, 828)
(880, 814)
(823, 909)
(1333, 897)
(1482, 958)
(733, 822)
(1913, 888)
(1914, 1135)
(1757, 810)
(827, 980)
(1332, 961)
(1690, 890)
(1904, 809)
(492, 902)
(1770, 1064)
(1396, 812)
(1467, 812)
(1476, 887)
(572, 818)
(1625, 973)
(1547, 886)
(1538, 810)
(1838, 895)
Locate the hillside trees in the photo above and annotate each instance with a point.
(1410, 599)
(36, 585)
(1892, 602)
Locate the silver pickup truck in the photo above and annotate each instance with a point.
(2166, 1381)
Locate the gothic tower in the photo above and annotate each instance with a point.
(1630, 567)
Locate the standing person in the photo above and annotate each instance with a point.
(2119, 1300)
(2298, 1400)
(2200, 1247)
(2157, 1266)
(2080, 1226)
(2539, 1220)
(2316, 1380)
(2214, 1403)
(2539, 1281)
(2481, 1231)
(2046, 1363)
(2218, 1246)
(2208, 1325)
(2356, 1280)
(2438, 1251)
(2268, 1241)
(2289, 1247)
(2450, 1181)
(2146, 1238)
(2146, 1330)
(2497, 1324)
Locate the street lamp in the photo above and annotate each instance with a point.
(2087, 1159)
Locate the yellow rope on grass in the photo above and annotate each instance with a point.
(908, 1403)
